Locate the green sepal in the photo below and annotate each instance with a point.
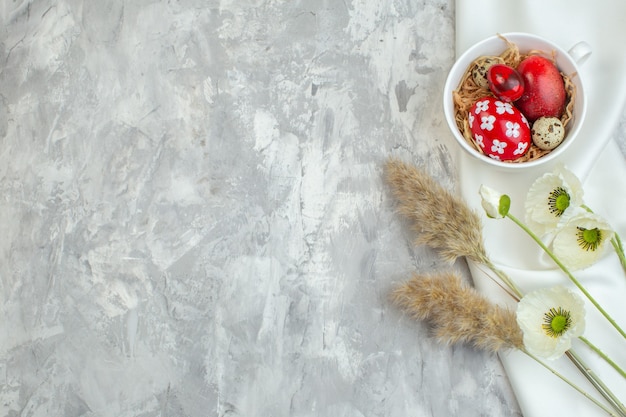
(504, 205)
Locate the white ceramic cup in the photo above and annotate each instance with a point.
(566, 61)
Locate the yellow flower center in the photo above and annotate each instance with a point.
(589, 239)
(558, 201)
(556, 322)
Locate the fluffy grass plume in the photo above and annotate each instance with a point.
(458, 313)
(442, 221)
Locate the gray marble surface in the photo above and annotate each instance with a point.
(193, 217)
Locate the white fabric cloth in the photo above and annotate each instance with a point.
(594, 157)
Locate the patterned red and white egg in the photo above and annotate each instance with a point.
(500, 129)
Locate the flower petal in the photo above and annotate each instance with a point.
(531, 317)
(496, 205)
(582, 240)
(551, 198)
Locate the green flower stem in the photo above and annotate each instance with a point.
(596, 382)
(621, 413)
(603, 356)
(619, 249)
(568, 273)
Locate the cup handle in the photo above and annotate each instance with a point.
(580, 52)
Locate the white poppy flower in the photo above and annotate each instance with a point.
(551, 198)
(549, 319)
(581, 240)
(496, 205)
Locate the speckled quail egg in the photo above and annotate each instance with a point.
(547, 133)
(481, 67)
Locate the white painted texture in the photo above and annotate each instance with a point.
(193, 217)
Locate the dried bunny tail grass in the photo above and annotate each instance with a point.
(458, 313)
(442, 221)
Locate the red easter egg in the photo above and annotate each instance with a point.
(544, 89)
(499, 129)
(505, 82)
